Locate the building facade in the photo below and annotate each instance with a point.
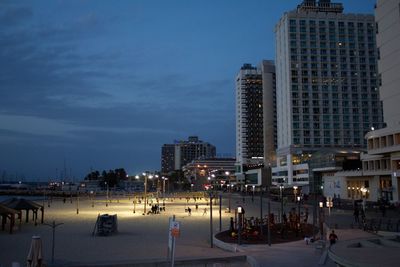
(327, 85)
(174, 156)
(269, 111)
(255, 118)
(382, 162)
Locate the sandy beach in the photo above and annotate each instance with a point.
(139, 237)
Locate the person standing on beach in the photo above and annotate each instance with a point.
(205, 211)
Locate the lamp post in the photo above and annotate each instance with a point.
(211, 222)
(281, 187)
(240, 212)
(91, 195)
(158, 185)
(364, 196)
(163, 179)
(230, 196)
(77, 201)
(134, 205)
(252, 196)
(299, 202)
(145, 191)
(321, 221)
(106, 193)
(295, 192)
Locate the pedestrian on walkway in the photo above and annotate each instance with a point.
(356, 214)
(333, 238)
(231, 226)
(383, 209)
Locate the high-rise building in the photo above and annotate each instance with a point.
(382, 163)
(249, 119)
(174, 156)
(269, 111)
(327, 85)
(255, 119)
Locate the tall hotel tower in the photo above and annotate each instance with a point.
(255, 124)
(383, 159)
(327, 85)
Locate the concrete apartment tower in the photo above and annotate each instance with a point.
(382, 163)
(327, 85)
(255, 130)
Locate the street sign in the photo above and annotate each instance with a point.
(174, 228)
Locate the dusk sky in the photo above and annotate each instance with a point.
(104, 84)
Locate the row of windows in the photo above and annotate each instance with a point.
(330, 141)
(332, 23)
(331, 80)
(333, 43)
(305, 66)
(334, 59)
(333, 52)
(327, 126)
(331, 37)
(331, 30)
(332, 73)
(334, 88)
(334, 109)
(336, 119)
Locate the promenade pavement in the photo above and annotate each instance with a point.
(144, 238)
(298, 253)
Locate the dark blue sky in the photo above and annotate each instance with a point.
(104, 84)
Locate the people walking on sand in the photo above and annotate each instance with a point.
(197, 206)
(190, 211)
(205, 211)
(333, 238)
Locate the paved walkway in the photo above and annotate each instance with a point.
(145, 237)
(299, 253)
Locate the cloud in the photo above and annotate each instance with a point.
(70, 85)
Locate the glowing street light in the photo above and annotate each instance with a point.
(295, 192)
(281, 187)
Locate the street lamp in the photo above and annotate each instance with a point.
(145, 191)
(77, 200)
(329, 204)
(321, 221)
(299, 202)
(281, 187)
(295, 192)
(91, 195)
(163, 179)
(106, 193)
(240, 212)
(364, 196)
